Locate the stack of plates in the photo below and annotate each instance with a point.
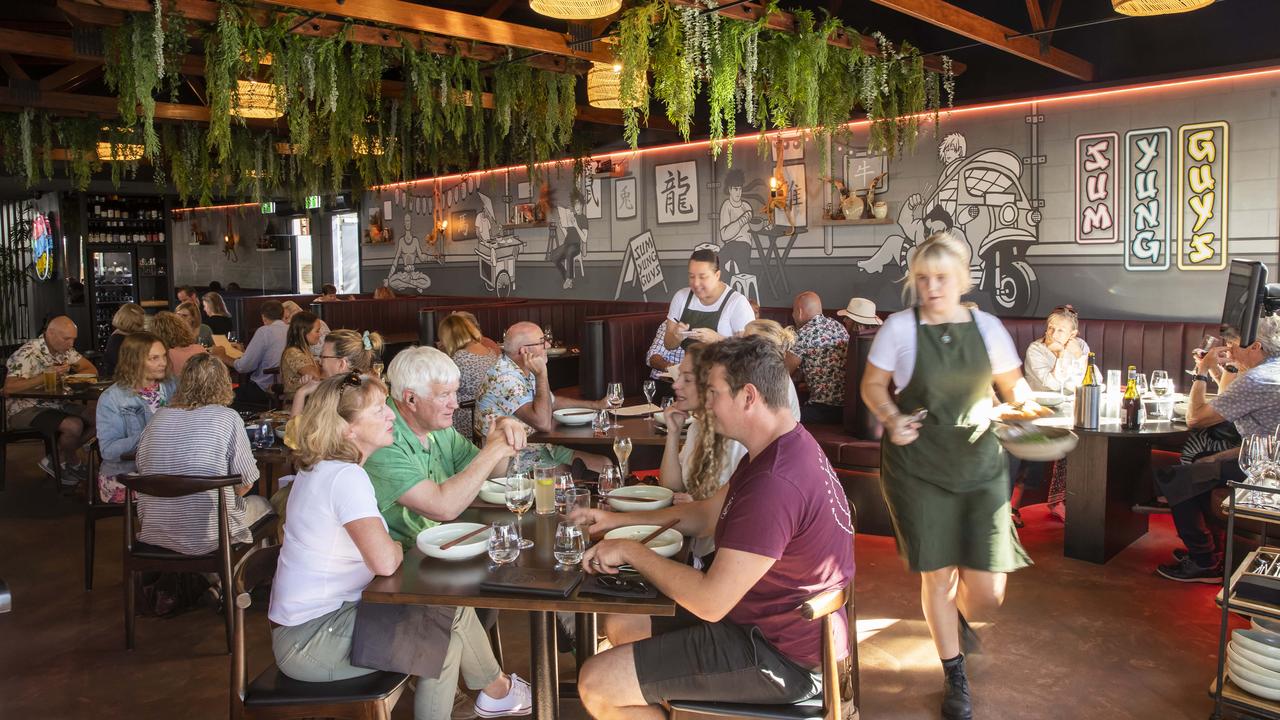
(1253, 661)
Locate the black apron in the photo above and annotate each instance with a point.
(709, 319)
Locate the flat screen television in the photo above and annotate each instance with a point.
(1246, 285)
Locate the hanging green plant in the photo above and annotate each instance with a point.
(674, 71)
(134, 68)
(633, 54)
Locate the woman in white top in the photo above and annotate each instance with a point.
(1055, 362)
(945, 478)
(334, 544)
(708, 310)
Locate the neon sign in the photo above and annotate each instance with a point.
(1202, 195)
(1096, 188)
(42, 246)
(1148, 199)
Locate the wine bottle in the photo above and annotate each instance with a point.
(1131, 404)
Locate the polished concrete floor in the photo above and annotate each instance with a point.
(1074, 640)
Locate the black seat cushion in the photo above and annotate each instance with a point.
(155, 552)
(273, 687)
(806, 710)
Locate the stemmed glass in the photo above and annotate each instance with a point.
(503, 543)
(649, 387)
(609, 481)
(613, 396)
(519, 497)
(564, 486)
(622, 449)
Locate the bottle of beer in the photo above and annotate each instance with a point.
(1131, 403)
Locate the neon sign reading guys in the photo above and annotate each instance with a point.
(1202, 195)
(1096, 188)
(1148, 205)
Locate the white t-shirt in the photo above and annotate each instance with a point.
(737, 310)
(320, 566)
(894, 348)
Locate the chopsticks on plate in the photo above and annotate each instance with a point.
(670, 524)
(467, 536)
(573, 413)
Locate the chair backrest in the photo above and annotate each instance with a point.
(171, 486)
(257, 566)
(839, 684)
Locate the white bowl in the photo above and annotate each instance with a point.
(662, 420)
(1260, 643)
(1265, 625)
(1235, 657)
(640, 497)
(667, 544)
(1048, 399)
(430, 540)
(1180, 409)
(1254, 657)
(556, 352)
(1252, 683)
(493, 491)
(1054, 444)
(574, 416)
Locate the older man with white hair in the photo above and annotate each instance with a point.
(517, 386)
(430, 473)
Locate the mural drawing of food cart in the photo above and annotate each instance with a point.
(498, 263)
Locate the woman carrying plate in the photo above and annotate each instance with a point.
(945, 477)
(337, 542)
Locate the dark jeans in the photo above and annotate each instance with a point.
(562, 257)
(1190, 489)
(820, 413)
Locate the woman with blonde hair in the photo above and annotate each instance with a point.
(341, 352)
(178, 336)
(944, 476)
(337, 542)
(199, 409)
(216, 315)
(462, 341)
(130, 318)
(142, 386)
(190, 312)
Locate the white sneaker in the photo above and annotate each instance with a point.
(519, 701)
(46, 464)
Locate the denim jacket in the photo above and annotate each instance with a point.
(122, 416)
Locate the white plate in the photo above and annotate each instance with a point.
(1235, 657)
(430, 540)
(1048, 399)
(1056, 445)
(1251, 683)
(1257, 659)
(1260, 643)
(640, 497)
(493, 491)
(556, 352)
(1265, 625)
(667, 544)
(662, 419)
(574, 416)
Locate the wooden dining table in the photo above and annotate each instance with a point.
(643, 431)
(74, 392)
(423, 580)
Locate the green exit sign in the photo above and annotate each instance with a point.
(268, 208)
(313, 202)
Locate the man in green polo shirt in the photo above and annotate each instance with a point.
(430, 473)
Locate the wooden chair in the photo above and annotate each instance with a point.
(841, 690)
(140, 557)
(95, 510)
(8, 435)
(276, 393)
(274, 696)
(470, 432)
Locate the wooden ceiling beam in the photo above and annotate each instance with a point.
(12, 69)
(73, 74)
(449, 23)
(1036, 15)
(496, 10)
(975, 27)
(786, 22)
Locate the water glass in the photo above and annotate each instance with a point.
(503, 543)
(564, 485)
(266, 434)
(649, 387)
(577, 499)
(609, 481)
(571, 543)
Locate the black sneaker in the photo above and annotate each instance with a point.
(1180, 553)
(1186, 570)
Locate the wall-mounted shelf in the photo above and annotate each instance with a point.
(518, 226)
(860, 221)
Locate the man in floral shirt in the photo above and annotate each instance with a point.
(70, 424)
(517, 386)
(659, 358)
(821, 346)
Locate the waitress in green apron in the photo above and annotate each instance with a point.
(945, 477)
(708, 310)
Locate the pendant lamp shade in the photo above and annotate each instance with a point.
(603, 86)
(575, 9)
(256, 100)
(1157, 7)
(108, 152)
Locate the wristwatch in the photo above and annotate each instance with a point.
(1201, 378)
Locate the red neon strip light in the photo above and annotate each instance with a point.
(214, 207)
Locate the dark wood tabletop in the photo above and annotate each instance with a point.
(422, 580)
(75, 392)
(642, 431)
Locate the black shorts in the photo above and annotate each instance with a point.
(43, 418)
(689, 659)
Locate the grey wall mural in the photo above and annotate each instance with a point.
(1124, 207)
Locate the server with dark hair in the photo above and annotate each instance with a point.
(708, 310)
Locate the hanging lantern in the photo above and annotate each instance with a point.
(256, 100)
(604, 86)
(1157, 7)
(575, 9)
(372, 147)
(108, 152)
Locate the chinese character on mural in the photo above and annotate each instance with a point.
(676, 186)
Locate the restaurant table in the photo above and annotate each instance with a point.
(75, 392)
(643, 431)
(421, 580)
(1107, 473)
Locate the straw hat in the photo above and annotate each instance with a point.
(861, 310)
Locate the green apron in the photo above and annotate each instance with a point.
(948, 492)
(709, 319)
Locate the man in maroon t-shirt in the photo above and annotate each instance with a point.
(783, 534)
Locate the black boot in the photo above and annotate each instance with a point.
(970, 644)
(956, 704)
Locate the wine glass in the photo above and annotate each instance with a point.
(613, 396)
(609, 481)
(519, 497)
(1160, 383)
(548, 335)
(564, 486)
(622, 449)
(649, 387)
(503, 543)
(570, 544)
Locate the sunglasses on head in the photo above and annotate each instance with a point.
(353, 379)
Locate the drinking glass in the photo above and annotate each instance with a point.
(614, 397)
(548, 335)
(1141, 379)
(544, 489)
(577, 499)
(571, 543)
(649, 387)
(609, 481)
(519, 497)
(503, 543)
(622, 449)
(233, 336)
(564, 485)
(266, 434)
(1209, 342)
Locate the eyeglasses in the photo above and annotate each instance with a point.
(330, 357)
(542, 342)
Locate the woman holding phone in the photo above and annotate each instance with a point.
(944, 472)
(708, 310)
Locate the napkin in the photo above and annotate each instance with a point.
(593, 586)
(637, 410)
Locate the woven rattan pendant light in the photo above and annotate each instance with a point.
(1157, 7)
(603, 86)
(256, 100)
(575, 9)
